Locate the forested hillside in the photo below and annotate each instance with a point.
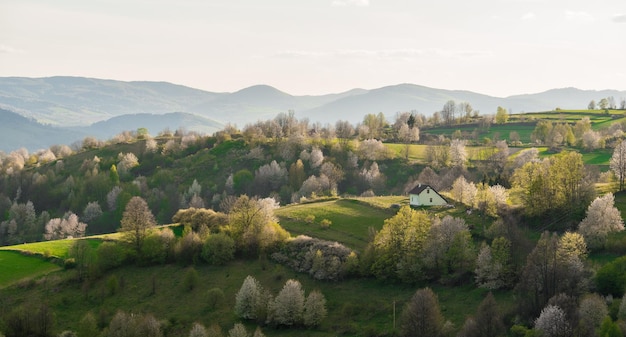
(298, 228)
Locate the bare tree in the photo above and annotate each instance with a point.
(618, 163)
(137, 221)
(422, 316)
(591, 310)
(449, 112)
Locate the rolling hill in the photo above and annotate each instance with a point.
(76, 101)
(94, 107)
(154, 123)
(18, 131)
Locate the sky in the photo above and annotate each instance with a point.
(313, 47)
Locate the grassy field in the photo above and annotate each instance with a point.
(350, 218)
(417, 152)
(15, 266)
(524, 123)
(499, 131)
(355, 306)
(55, 248)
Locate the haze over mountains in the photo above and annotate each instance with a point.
(66, 109)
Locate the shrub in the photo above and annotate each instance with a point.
(88, 326)
(191, 279)
(153, 250)
(309, 218)
(214, 297)
(325, 224)
(113, 285)
(188, 248)
(110, 255)
(324, 260)
(69, 263)
(610, 279)
(218, 249)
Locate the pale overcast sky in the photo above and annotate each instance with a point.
(496, 47)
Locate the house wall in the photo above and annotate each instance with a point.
(428, 197)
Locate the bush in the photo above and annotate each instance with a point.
(325, 224)
(188, 248)
(191, 279)
(110, 255)
(69, 263)
(153, 250)
(113, 285)
(218, 249)
(611, 278)
(309, 218)
(323, 260)
(214, 297)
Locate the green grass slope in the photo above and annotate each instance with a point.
(15, 266)
(350, 220)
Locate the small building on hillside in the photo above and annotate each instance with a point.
(424, 195)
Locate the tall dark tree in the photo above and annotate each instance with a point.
(488, 318)
(422, 315)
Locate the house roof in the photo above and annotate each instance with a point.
(421, 187)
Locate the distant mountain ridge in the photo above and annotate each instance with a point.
(84, 104)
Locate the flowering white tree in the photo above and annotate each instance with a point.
(270, 177)
(373, 149)
(464, 191)
(602, 218)
(591, 140)
(66, 227)
(526, 156)
(618, 163)
(248, 298)
(314, 309)
(591, 310)
(552, 322)
(112, 197)
(441, 237)
(289, 304)
(238, 330)
(198, 330)
(126, 162)
(458, 153)
(316, 158)
(92, 211)
(500, 194)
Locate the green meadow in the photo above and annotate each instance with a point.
(15, 266)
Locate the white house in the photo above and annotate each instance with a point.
(424, 195)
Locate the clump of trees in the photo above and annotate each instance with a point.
(323, 260)
(412, 246)
(289, 308)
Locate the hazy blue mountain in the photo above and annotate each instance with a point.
(81, 102)
(77, 101)
(154, 123)
(17, 131)
(261, 102)
(565, 98)
(397, 98)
